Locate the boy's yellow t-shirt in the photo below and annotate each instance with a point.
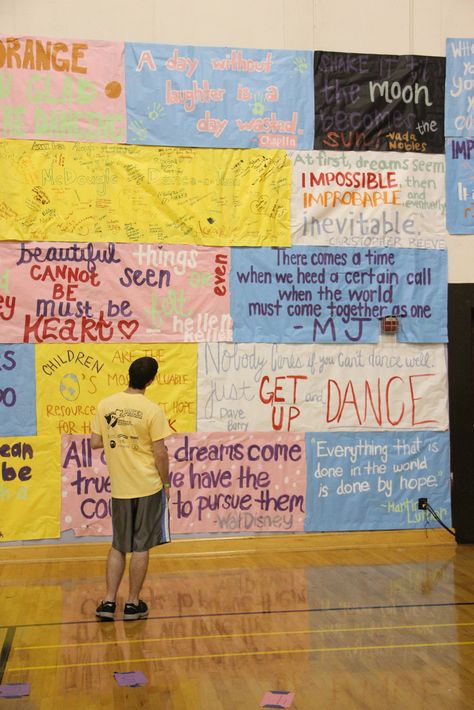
(128, 424)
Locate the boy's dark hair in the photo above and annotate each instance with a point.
(141, 371)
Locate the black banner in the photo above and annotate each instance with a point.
(379, 102)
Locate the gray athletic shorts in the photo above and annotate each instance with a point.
(140, 523)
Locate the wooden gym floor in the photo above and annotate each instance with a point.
(377, 620)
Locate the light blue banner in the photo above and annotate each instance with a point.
(459, 94)
(17, 390)
(460, 185)
(373, 481)
(219, 96)
(327, 294)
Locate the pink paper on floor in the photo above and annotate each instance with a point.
(277, 699)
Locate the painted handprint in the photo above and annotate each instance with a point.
(301, 64)
(155, 111)
(139, 129)
(258, 106)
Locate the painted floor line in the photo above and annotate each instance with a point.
(6, 649)
(283, 651)
(282, 632)
(169, 556)
(262, 612)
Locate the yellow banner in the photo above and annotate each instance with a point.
(72, 379)
(30, 488)
(85, 192)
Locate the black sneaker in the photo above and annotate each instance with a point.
(106, 610)
(135, 611)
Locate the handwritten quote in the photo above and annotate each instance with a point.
(379, 102)
(369, 199)
(372, 481)
(219, 96)
(323, 294)
(225, 484)
(58, 89)
(459, 98)
(72, 379)
(113, 292)
(30, 497)
(278, 387)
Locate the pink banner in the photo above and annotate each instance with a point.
(63, 90)
(225, 483)
(228, 483)
(85, 488)
(113, 293)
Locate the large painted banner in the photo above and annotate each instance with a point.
(72, 379)
(30, 488)
(379, 102)
(460, 185)
(237, 483)
(219, 484)
(17, 390)
(459, 87)
(219, 96)
(368, 199)
(321, 294)
(65, 90)
(372, 481)
(120, 193)
(114, 293)
(250, 387)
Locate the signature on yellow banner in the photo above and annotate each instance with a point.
(103, 192)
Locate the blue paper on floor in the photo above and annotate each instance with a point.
(133, 679)
(14, 690)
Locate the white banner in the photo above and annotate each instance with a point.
(275, 387)
(368, 199)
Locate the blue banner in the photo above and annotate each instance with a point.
(17, 390)
(373, 481)
(459, 95)
(460, 185)
(332, 295)
(219, 96)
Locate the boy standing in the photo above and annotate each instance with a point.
(132, 429)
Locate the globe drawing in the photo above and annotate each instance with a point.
(69, 387)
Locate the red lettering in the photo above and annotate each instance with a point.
(104, 329)
(42, 328)
(295, 379)
(278, 388)
(293, 413)
(219, 273)
(368, 398)
(415, 399)
(376, 401)
(328, 406)
(346, 400)
(279, 426)
(70, 292)
(58, 291)
(265, 379)
(387, 397)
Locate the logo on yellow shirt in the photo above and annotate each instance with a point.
(112, 418)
